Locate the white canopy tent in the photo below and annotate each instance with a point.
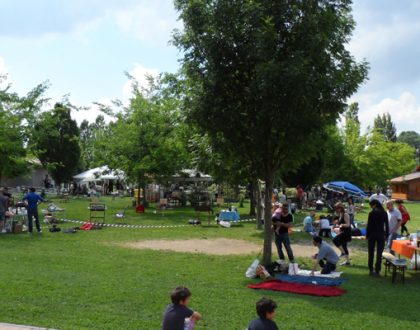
(99, 174)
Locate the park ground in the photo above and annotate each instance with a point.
(98, 280)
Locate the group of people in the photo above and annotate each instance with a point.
(282, 222)
(31, 200)
(178, 316)
(383, 227)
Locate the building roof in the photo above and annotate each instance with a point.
(406, 178)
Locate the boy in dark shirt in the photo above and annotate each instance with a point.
(176, 313)
(266, 310)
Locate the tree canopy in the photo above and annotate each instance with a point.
(386, 126)
(55, 141)
(147, 138)
(411, 138)
(17, 115)
(268, 77)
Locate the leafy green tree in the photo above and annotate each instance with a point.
(411, 138)
(146, 140)
(383, 160)
(385, 125)
(90, 133)
(268, 76)
(55, 141)
(17, 115)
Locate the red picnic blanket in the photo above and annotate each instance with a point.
(300, 288)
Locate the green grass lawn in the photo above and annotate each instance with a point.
(84, 281)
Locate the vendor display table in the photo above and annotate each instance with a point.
(229, 216)
(404, 248)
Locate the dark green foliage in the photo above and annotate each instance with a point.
(411, 138)
(55, 141)
(385, 125)
(268, 77)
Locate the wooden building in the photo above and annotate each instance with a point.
(406, 187)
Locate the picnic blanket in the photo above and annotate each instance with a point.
(303, 272)
(316, 280)
(299, 288)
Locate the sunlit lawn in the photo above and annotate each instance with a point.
(84, 281)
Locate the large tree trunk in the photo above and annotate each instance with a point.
(252, 199)
(268, 232)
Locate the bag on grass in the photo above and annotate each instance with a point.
(293, 268)
(252, 270)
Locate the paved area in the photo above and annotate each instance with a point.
(8, 326)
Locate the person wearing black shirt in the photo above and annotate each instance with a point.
(376, 232)
(282, 221)
(344, 235)
(266, 310)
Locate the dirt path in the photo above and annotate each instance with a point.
(218, 246)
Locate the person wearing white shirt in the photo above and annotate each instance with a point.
(324, 227)
(394, 220)
(378, 196)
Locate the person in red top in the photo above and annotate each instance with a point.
(299, 195)
(405, 216)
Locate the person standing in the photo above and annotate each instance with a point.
(376, 232)
(32, 199)
(326, 257)
(378, 196)
(281, 224)
(405, 216)
(351, 210)
(4, 202)
(344, 236)
(394, 221)
(299, 197)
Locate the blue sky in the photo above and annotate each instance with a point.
(83, 48)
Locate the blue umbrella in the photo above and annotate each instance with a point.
(348, 187)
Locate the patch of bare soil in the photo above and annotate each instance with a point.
(218, 246)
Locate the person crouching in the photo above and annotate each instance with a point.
(326, 257)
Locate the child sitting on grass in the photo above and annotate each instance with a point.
(266, 310)
(176, 313)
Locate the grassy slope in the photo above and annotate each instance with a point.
(82, 281)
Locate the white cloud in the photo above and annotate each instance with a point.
(404, 111)
(140, 73)
(92, 112)
(149, 21)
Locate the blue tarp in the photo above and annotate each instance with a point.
(324, 281)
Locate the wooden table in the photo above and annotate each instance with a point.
(404, 248)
